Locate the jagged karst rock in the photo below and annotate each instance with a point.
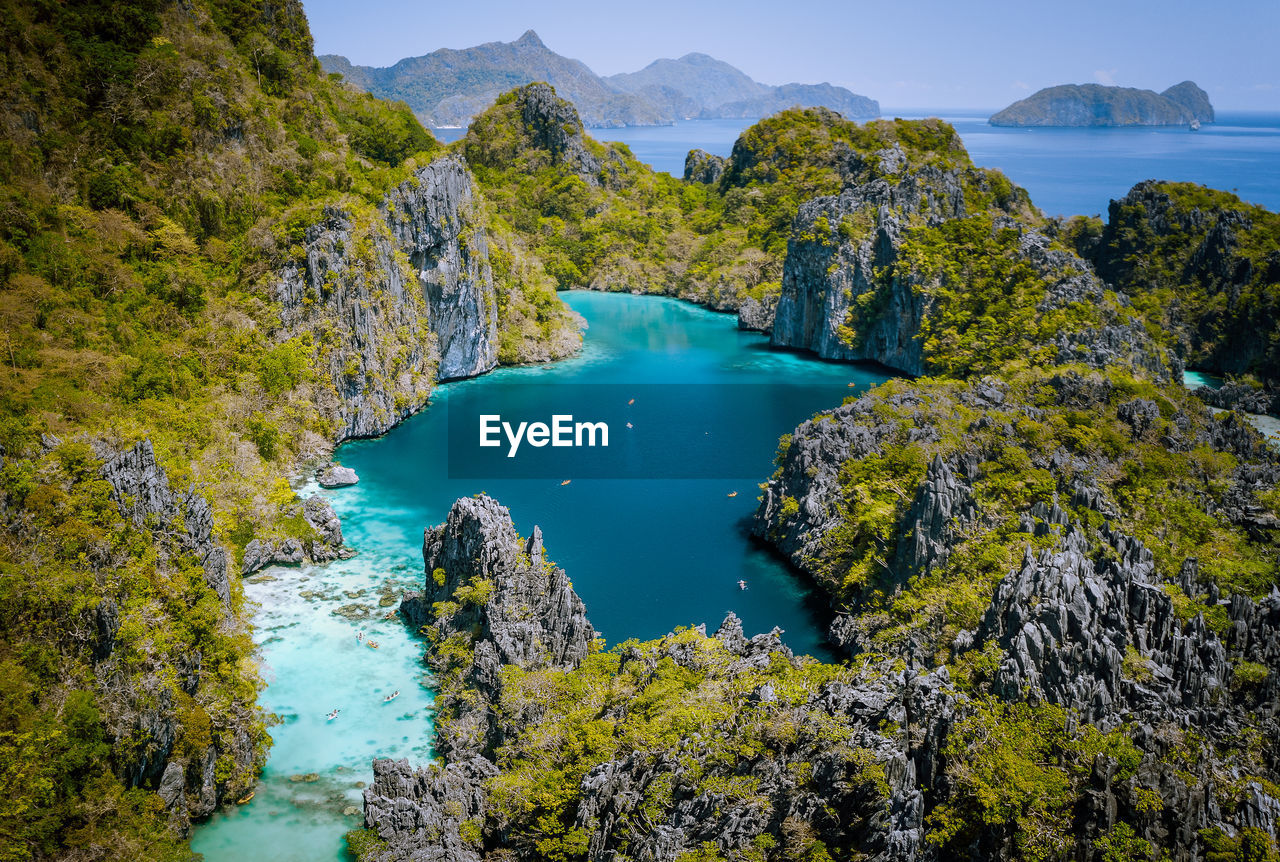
(143, 719)
(530, 618)
(1240, 396)
(336, 476)
(703, 167)
(408, 294)
(845, 295)
(141, 489)
(1086, 622)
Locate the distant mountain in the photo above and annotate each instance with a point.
(448, 87)
(701, 81)
(838, 99)
(1098, 105)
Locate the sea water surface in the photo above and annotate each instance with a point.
(645, 555)
(1067, 171)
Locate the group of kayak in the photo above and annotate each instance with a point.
(331, 716)
(372, 644)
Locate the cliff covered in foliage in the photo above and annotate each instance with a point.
(216, 263)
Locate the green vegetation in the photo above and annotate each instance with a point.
(692, 720)
(1201, 265)
(1165, 496)
(158, 165)
(1017, 773)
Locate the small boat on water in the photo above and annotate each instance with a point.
(246, 798)
(391, 696)
(742, 585)
(565, 482)
(331, 716)
(373, 644)
(733, 493)
(1195, 125)
(632, 401)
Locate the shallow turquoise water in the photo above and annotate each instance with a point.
(645, 555)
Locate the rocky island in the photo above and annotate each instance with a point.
(1183, 104)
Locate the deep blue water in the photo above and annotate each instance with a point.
(645, 555)
(1067, 171)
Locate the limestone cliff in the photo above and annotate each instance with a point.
(863, 281)
(394, 299)
(144, 715)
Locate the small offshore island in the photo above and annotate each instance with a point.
(1049, 571)
(1183, 104)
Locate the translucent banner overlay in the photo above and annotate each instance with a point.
(608, 431)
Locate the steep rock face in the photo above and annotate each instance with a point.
(141, 489)
(432, 220)
(514, 608)
(493, 599)
(820, 281)
(848, 293)
(144, 720)
(1099, 105)
(703, 167)
(394, 300)
(1212, 259)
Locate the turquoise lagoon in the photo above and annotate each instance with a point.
(645, 555)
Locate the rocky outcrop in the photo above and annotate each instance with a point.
(848, 294)
(1085, 621)
(1233, 395)
(1161, 237)
(323, 544)
(394, 300)
(552, 124)
(336, 476)
(492, 600)
(509, 603)
(142, 717)
(141, 489)
(757, 314)
(703, 167)
(511, 608)
(1100, 105)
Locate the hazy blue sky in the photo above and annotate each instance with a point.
(926, 53)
